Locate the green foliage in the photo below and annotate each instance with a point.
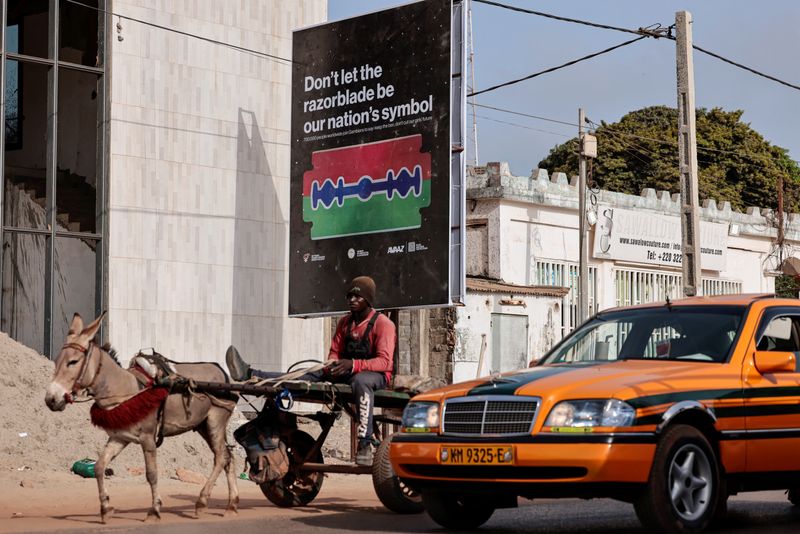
(735, 163)
(787, 286)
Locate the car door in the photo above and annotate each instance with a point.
(772, 400)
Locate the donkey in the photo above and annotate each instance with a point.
(83, 365)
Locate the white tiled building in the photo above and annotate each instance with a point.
(177, 205)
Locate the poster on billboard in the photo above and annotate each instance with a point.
(655, 239)
(371, 159)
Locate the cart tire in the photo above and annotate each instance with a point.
(394, 495)
(457, 512)
(295, 488)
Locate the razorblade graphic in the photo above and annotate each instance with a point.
(369, 188)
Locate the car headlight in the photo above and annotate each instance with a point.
(590, 413)
(421, 417)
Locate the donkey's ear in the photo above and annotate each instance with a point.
(76, 327)
(91, 330)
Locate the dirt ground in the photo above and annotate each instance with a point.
(62, 501)
(38, 448)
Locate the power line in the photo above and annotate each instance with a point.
(538, 117)
(744, 67)
(699, 147)
(655, 32)
(551, 69)
(187, 34)
(483, 117)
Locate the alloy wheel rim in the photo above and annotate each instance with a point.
(690, 482)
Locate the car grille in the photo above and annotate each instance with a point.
(496, 416)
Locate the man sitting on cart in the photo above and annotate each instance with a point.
(362, 351)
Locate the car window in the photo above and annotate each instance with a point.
(699, 333)
(781, 334)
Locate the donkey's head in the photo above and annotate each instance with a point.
(76, 365)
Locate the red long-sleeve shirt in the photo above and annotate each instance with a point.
(382, 340)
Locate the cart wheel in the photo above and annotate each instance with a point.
(394, 495)
(296, 488)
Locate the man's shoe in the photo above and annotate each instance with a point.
(364, 454)
(237, 367)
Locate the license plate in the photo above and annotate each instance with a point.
(477, 455)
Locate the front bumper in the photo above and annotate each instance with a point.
(549, 460)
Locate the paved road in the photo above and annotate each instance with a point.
(749, 513)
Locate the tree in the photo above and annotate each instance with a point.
(735, 163)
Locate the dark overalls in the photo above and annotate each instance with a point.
(363, 384)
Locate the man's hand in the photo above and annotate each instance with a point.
(341, 368)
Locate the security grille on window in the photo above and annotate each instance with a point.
(561, 274)
(633, 287)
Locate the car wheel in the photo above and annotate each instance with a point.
(457, 512)
(391, 491)
(682, 493)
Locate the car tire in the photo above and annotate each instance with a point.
(794, 496)
(457, 512)
(682, 494)
(391, 491)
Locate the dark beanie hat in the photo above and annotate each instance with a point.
(363, 286)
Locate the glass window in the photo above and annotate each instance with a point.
(78, 33)
(24, 260)
(76, 181)
(25, 173)
(700, 333)
(28, 27)
(74, 284)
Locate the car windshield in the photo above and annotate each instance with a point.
(698, 333)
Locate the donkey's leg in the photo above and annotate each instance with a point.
(233, 488)
(112, 449)
(213, 431)
(151, 469)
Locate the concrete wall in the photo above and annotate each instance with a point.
(474, 325)
(537, 219)
(199, 182)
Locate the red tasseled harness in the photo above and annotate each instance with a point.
(132, 410)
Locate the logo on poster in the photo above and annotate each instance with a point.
(395, 249)
(368, 188)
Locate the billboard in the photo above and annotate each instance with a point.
(653, 238)
(371, 157)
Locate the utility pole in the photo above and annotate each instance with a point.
(781, 237)
(471, 59)
(687, 156)
(583, 261)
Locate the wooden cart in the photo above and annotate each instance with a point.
(303, 481)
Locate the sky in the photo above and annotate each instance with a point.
(508, 45)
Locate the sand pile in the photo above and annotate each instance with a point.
(34, 440)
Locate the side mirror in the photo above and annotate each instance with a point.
(775, 362)
(534, 361)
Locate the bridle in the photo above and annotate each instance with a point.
(78, 383)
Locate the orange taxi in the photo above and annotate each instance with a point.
(670, 406)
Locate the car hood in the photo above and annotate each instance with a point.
(624, 380)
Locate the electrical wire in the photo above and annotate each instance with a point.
(538, 117)
(652, 31)
(552, 69)
(699, 147)
(640, 31)
(745, 67)
(187, 34)
(483, 117)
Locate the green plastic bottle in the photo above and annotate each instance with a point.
(84, 468)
